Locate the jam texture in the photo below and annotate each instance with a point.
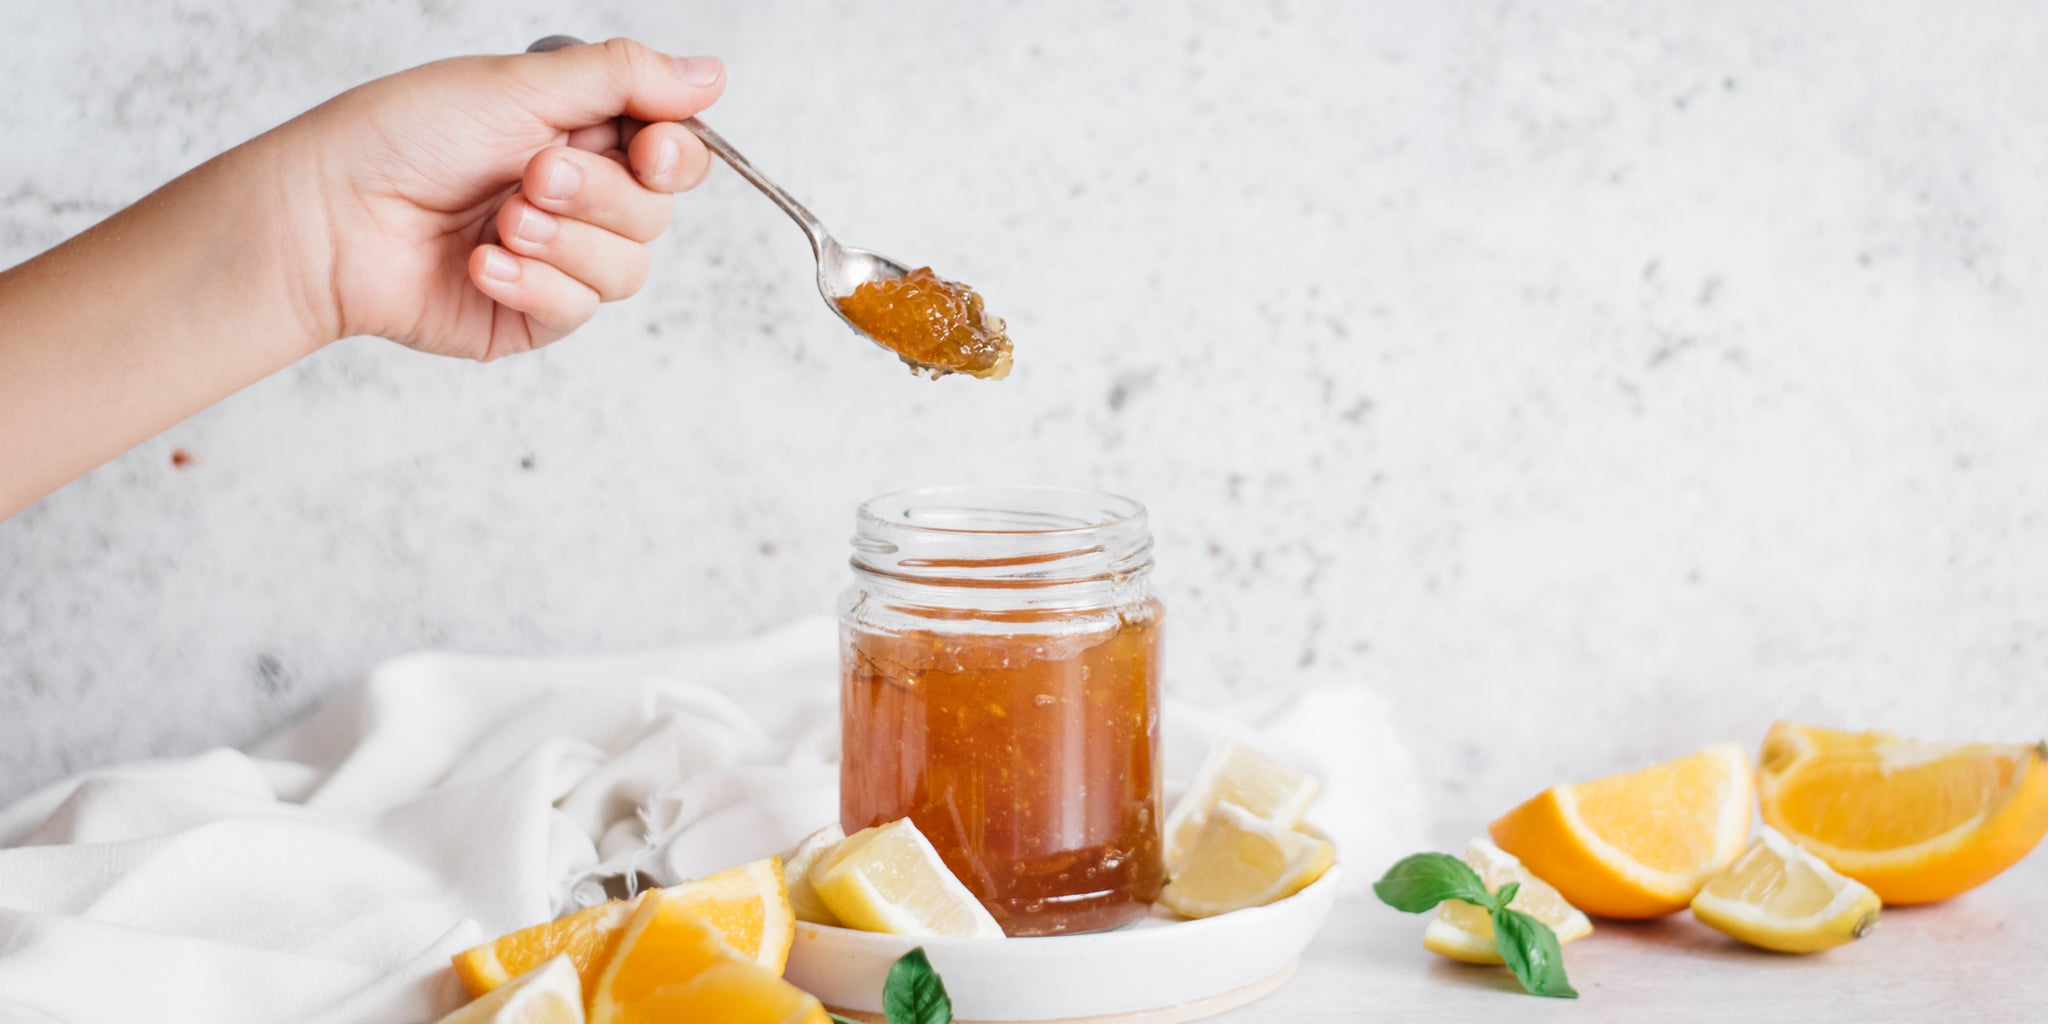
(933, 324)
(1030, 761)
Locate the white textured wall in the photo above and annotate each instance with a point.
(1593, 381)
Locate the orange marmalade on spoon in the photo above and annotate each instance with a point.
(932, 324)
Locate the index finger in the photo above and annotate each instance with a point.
(583, 85)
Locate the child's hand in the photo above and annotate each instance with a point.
(483, 206)
(473, 208)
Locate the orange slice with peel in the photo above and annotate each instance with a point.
(748, 904)
(587, 937)
(673, 965)
(1640, 844)
(1915, 821)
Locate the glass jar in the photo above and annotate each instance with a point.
(999, 657)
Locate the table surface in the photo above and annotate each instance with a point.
(1981, 957)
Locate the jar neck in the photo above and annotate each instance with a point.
(992, 548)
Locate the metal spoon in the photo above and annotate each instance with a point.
(840, 269)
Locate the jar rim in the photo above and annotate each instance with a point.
(1001, 535)
(1004, 509)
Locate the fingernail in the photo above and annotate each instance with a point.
(700, 71)
(563, 181)
(499, 266)
(665, 157)
(536, 226)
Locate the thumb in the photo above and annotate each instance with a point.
(583, 85)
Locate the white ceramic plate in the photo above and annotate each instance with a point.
(1158, 970)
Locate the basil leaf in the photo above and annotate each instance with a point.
(1531, 951)
(1419, 882)
(837, 1019)
(914, 994)
(1505, 895)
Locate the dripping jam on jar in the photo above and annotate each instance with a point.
(999, 655)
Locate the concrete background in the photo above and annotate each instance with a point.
(1593, 381)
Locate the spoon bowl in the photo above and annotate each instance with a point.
(842, 269)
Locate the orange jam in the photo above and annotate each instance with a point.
(1029, 760)
(999, 686)
(932, 324)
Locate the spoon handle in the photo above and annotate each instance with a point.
(717, 144)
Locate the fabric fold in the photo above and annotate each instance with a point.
(328, 874)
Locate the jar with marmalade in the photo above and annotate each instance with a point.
(999, 655)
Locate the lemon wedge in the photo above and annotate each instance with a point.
(1464, 932)
(1239, 774)
(1778, 896)
(796, 874)
(1241, 860)
(889, 879)
(548, 994)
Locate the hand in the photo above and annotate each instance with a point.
(474, 207)
(483, 206)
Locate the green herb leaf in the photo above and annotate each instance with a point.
(1531, 951)
(1418, 883)
(914, 994)
(1504, 896)
(837, 1019)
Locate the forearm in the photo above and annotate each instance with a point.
(468, 207)
(157, 312)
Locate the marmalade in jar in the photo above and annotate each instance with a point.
(1029, 757)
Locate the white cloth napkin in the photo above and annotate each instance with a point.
(328, 875)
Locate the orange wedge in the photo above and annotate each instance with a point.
(1639, 844)
(587, 937)
(747, 903)
(673, 965)
(1914, 821)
